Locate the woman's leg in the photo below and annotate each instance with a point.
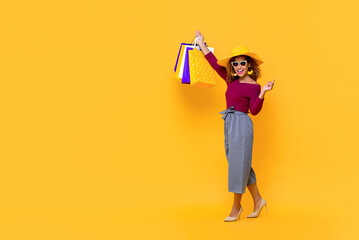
(253, 189)
(236, 204)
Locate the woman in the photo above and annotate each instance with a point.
(240, 71)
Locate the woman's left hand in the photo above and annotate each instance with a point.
(268, 86)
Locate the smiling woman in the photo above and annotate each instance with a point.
(234, 72)
(240, 71)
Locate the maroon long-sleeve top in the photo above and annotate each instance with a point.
(243, 96)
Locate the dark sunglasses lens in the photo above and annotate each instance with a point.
(243, 63)
(235, 64)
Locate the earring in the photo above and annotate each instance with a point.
(250, 72)
(234, 74)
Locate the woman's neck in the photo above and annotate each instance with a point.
(245, 78)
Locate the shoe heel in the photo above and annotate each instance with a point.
(232, 219)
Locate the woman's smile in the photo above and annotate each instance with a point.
(240, 71)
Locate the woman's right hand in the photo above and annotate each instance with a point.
(201, 44)
(200, 39)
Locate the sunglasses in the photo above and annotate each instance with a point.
(242, 63)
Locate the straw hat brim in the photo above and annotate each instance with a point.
(224, 62)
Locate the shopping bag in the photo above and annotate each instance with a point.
(180, 53)
(180, 62)
(201, 73)
(182, 59)
(178, 69)
(186, 72)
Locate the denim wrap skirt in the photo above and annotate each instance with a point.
(238, 142)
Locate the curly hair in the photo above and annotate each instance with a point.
(254, 67)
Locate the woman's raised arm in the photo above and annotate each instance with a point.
(210, 57)
(201, 44)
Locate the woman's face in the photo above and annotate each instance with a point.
(240, 69)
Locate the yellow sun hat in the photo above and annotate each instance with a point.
(240, 50)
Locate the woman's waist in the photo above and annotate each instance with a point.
(237, 109)
(239, 112)
(231, 110)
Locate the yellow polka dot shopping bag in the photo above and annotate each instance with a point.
(193, 68)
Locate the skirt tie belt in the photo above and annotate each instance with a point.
(228, 110)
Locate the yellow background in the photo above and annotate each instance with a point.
(98, 140)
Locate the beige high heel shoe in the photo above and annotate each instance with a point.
(256, 213)
(233, 219)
